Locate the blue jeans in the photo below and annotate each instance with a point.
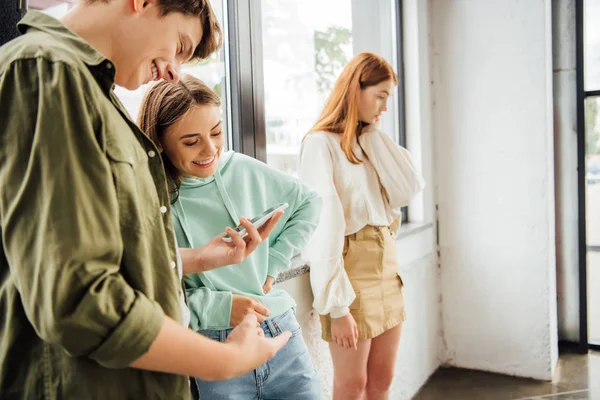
(289, 375)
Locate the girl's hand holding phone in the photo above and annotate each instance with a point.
(218, 253)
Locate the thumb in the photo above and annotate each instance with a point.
(261, 309)
(249, 320)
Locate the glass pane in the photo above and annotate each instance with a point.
(592, 171)
(304, 52)
(210, 71)
(592, 44)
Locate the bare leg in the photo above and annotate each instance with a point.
(381, 363)
(350, 371)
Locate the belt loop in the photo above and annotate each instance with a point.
(272, 327)
(223, 335)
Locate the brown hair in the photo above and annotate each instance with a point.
(212, 36)
(340, 114)
(166, 103)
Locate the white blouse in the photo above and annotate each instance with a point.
(353, 197)
(365, 177)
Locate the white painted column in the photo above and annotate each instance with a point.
(493, 132)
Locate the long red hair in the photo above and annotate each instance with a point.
(340, 114)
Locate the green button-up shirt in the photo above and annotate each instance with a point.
(87, 251)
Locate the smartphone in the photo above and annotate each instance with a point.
(258, 221)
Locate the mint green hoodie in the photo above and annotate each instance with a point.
(241, 187)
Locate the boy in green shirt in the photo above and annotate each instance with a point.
(89, 284)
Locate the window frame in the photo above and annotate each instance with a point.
(401, 105)
(582, 95)
(246, 82)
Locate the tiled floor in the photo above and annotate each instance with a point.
(577, 377)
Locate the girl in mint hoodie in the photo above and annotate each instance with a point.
(212, 190)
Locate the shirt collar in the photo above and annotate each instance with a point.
(102, 68)
(42, 22)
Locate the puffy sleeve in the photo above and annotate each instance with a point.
(332, 290)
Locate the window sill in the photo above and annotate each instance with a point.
(406, 231)
(298, 268)
(412, 228)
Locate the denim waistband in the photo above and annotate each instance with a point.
(274, 326)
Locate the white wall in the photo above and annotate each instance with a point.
(565, 140)
(493, 133)
(418, 356)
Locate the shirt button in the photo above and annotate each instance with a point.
(131, 160)
(151, 153)
(173, 264)
(108, 65)
(163, 209)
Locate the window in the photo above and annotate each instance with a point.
(303, 53)
(589, 149)
(592, 182)
(592, 45)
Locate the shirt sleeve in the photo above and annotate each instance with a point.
(298, 228)
(60, 219)
(332, 290)
(211, 309)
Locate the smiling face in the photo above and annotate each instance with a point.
(372, 101)
(194, 143)
(154, 46)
